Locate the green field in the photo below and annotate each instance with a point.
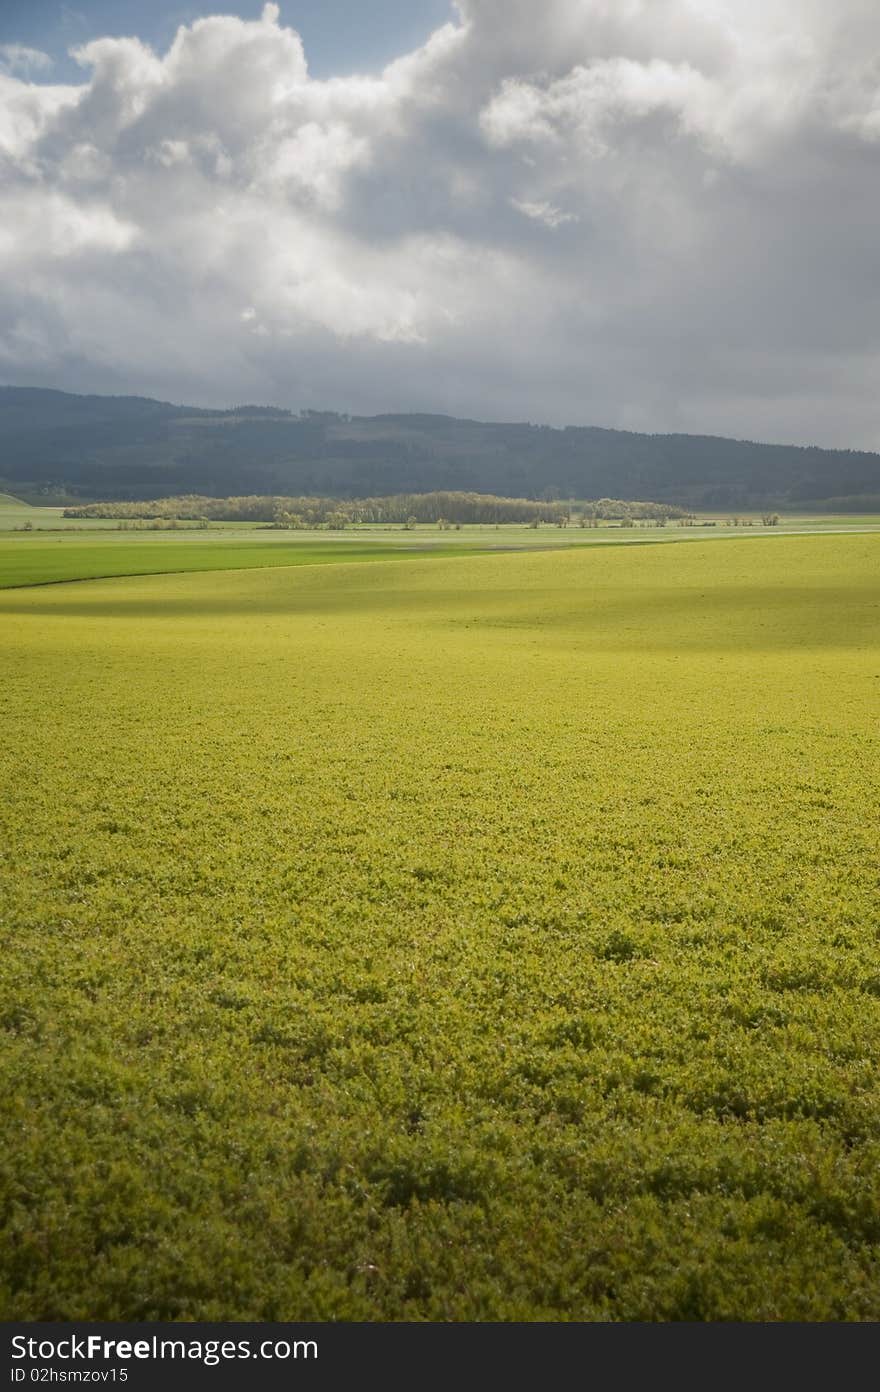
(39, 545)
(450, 937)
(34, 561)
(57, 549)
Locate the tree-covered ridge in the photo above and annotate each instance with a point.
(402, 508)
(59, 447)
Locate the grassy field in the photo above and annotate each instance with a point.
(32, 560)
(57, 549)
(477, 937)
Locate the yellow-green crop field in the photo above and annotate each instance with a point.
(456, 937)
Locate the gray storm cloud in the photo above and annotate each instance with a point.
(657, 215)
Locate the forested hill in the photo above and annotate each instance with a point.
(57, 445)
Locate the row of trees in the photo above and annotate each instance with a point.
(403, 509)
(335, 513)
(190, 507)
(409, 509)
(626, 509)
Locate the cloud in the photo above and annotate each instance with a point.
(657, 214)
(17, 58)
(547, 213)
(589, 104)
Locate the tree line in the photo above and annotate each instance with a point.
(440, 508)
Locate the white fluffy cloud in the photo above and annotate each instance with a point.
(658, 214)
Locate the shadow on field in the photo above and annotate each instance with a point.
(667, 618)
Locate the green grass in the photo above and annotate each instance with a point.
(32, 560)
(13, 512)
(487, 937)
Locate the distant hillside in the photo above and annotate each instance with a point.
(57, 446)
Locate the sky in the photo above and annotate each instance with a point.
(340, 36)
(648, 214)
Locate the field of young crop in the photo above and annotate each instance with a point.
(33, 560)
(474, 937)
